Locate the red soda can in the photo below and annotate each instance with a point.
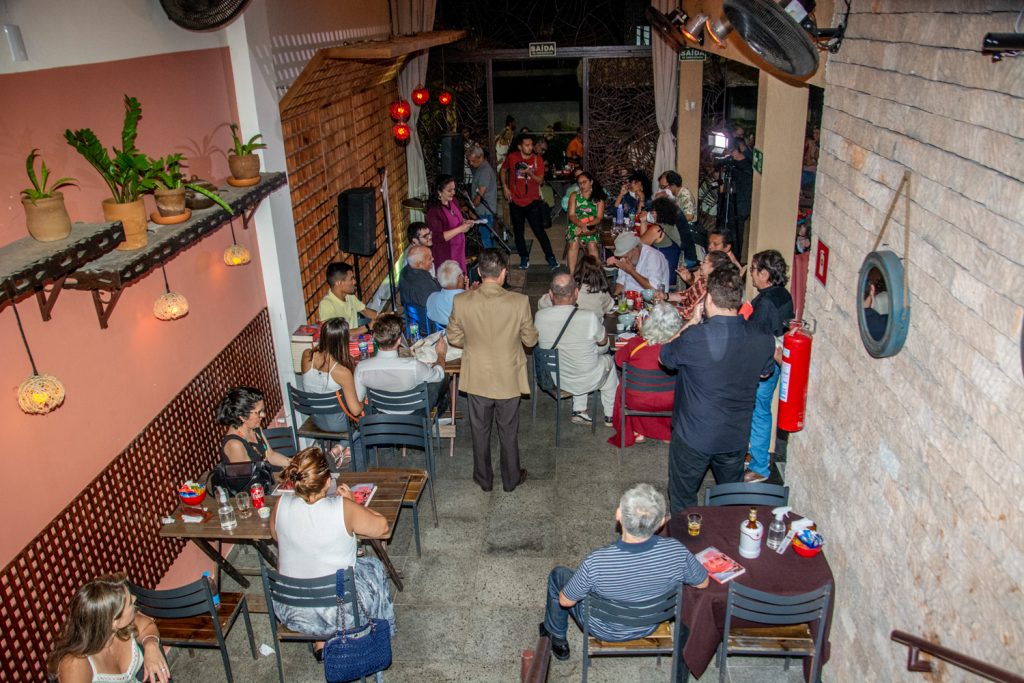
(257, 495)
(638, 303)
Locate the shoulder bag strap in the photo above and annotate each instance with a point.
(567, 320)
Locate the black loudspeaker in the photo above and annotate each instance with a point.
(453, 154)
(357, 221)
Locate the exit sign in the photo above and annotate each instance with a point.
(758, 160)
(692, 54)
(542, 49)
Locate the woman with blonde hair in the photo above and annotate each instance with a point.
(106, 639)
(641, 352)
(316, 531)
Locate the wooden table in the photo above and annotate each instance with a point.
(255, 531)
(786, 574)
(452, 369)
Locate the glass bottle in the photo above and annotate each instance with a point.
(226, 512)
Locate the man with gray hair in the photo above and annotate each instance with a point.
(639, 566)
(452, 281)
(582, 347)
(485, 192)
(415, 283)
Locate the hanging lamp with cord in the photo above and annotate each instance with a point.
(236, 254)
(39, 394)
(170, 305)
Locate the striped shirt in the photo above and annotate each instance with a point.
(632, 572)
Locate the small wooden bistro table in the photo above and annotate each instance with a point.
(255, 531)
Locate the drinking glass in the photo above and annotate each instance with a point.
(244, 505)
(693, 522)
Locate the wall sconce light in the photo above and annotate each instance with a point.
(236, 254)
(420, 96)
(400, 110)
(170, 305)
(445, 98)
(39, 394)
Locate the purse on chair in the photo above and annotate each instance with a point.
(359, 651)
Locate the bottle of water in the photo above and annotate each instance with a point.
(226, 512)
(619, 214)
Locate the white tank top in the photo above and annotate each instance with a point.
(312, 539)
(129, 675)
(320, 382)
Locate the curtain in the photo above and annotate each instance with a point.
(665, 61)
(407, 17)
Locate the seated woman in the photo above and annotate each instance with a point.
(328, 370)
(595, 290)
(642, 352)
(634, 194)
(316, 536)
(105, 639)
(584, 216)
(242, 412)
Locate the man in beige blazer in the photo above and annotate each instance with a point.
(492, 326)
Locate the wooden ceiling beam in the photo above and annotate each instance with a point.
(395, 46)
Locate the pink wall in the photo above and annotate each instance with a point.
(119, 378)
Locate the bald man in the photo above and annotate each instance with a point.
(415, 283)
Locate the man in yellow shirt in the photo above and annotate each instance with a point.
(341, 300)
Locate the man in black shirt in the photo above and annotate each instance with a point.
(415, 283)
(719, 362)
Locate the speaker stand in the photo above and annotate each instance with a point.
(383, 172)
(497, 221)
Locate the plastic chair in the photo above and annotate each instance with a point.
(546, 360)
(654, 612)
(795, 611)
(741, 493)
(418, 315)
(188, 617)
(415, 401)
(639, 381)
(383, 429)
(318, 592)
(310, 404)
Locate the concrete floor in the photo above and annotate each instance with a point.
(472, 603)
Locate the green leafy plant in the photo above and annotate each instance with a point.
(245, 148)
(127, 172)
(168, 176)
(39, 190)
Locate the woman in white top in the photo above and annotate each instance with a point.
(316, 536)
(594, 288)
(106, 639)
(328, 370)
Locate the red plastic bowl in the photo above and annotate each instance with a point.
(194, 499)
(803, 551)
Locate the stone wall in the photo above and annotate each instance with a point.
(914, 465)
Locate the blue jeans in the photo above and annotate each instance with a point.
(761, 424)
(485, 232)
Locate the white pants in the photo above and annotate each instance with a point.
(607, 384)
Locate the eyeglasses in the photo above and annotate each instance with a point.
(261, 413)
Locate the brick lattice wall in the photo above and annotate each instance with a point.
(914, 465)
(113, 524)
(337, 133)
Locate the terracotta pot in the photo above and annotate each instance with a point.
(244, 167)
(133, 217)
(170, 202)
(47, 219)
(196, 201)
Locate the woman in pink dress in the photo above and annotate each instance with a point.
(641, 352)
(448, 227)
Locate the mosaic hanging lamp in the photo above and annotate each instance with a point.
(236, 254)
(170, 305)
(39, 394)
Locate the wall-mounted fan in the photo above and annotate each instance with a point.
(767, 34)
(202, 15)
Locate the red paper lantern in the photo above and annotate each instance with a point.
(400, 110)
(401, 132)
(420, 96)
(445, 98)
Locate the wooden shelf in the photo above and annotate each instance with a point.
(117, 269)
(28, 265)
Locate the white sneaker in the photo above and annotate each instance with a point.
(581, 418)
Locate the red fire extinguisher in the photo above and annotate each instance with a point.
(796, 365)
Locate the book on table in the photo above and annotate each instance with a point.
(720, 566)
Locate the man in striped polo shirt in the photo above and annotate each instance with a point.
(637, 567)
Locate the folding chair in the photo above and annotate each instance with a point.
(415, 401)
(546, 360)
(310, 404)
(742, 493)
(383, 429)
(637, 380)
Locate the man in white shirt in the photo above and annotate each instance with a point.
(583, 360)
(640, 266)
(453, 281)
(387, 371)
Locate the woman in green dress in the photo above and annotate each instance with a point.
(586, 211)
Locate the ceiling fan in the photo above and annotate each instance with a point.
(202, 15)
(761, 29)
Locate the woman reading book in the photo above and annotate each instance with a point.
(316, 536)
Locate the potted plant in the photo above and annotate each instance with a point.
(244, 165)
(171, 185)
(127, 172)
(45, 214)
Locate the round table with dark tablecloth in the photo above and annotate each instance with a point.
(786, 574)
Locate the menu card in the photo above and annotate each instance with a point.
(720, 566)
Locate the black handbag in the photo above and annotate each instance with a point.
(359, 651)
(544, 379)
(240, 476)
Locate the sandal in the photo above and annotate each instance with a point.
(639, 438)
(342, 454)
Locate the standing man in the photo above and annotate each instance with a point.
(492, 326)
(485, 192)
(720, 363)
(522, 174)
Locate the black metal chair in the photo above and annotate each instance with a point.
(282, 440)
(546, 360)
(318, 592)
(637, 380)
(384, 429)
(415, 401)
(742, 493)
(790, 634)
(189, 617)
(648, 613)
(310, 404)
